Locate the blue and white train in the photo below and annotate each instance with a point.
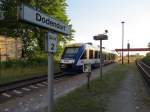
(75, 55)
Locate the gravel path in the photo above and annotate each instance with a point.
(37, 100)
(132, 95)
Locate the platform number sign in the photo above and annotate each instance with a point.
(86, 67)
(52, 42)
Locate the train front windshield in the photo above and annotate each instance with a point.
(70, 52)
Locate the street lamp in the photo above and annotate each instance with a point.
(122, 39)
(101, 37)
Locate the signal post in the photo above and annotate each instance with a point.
(101, 37)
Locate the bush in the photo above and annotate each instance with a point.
(24, 63)
(146, 59)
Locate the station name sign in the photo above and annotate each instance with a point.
(33, 16)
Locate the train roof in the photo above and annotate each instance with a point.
(114, 52)
(87, 45)
(91, 46)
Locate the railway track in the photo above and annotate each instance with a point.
(26, 82)
(145, 70)
(30, 81)
(21, 87)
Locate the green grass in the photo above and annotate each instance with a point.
(19, 73)
(96, 98)
(13, 72)
(146, 100)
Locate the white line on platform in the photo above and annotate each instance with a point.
(26, 89)
(6, 95)
(16, 91)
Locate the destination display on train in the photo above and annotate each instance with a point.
(33, 16)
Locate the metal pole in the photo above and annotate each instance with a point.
(128, 51)
(88, 80)
(101, 59)
(50, 82)
(16, 47)
(0, 54)
(122, 40)
(128, 55)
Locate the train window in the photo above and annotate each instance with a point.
(96, 55)
(84, 55)
(71, 50)
(91, 54)
(109, 56)
(103, 56)
(113, 56)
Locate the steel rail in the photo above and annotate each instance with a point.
(26, 82)
(145, 70)
(29, 81)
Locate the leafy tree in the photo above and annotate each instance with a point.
(10, 26)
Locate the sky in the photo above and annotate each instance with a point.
(93, 17)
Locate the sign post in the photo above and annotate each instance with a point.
(50, 47)
(100, 59)
(128, 47)
(30, 15)
(101, 37)
(87, 69)
(50, 82)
